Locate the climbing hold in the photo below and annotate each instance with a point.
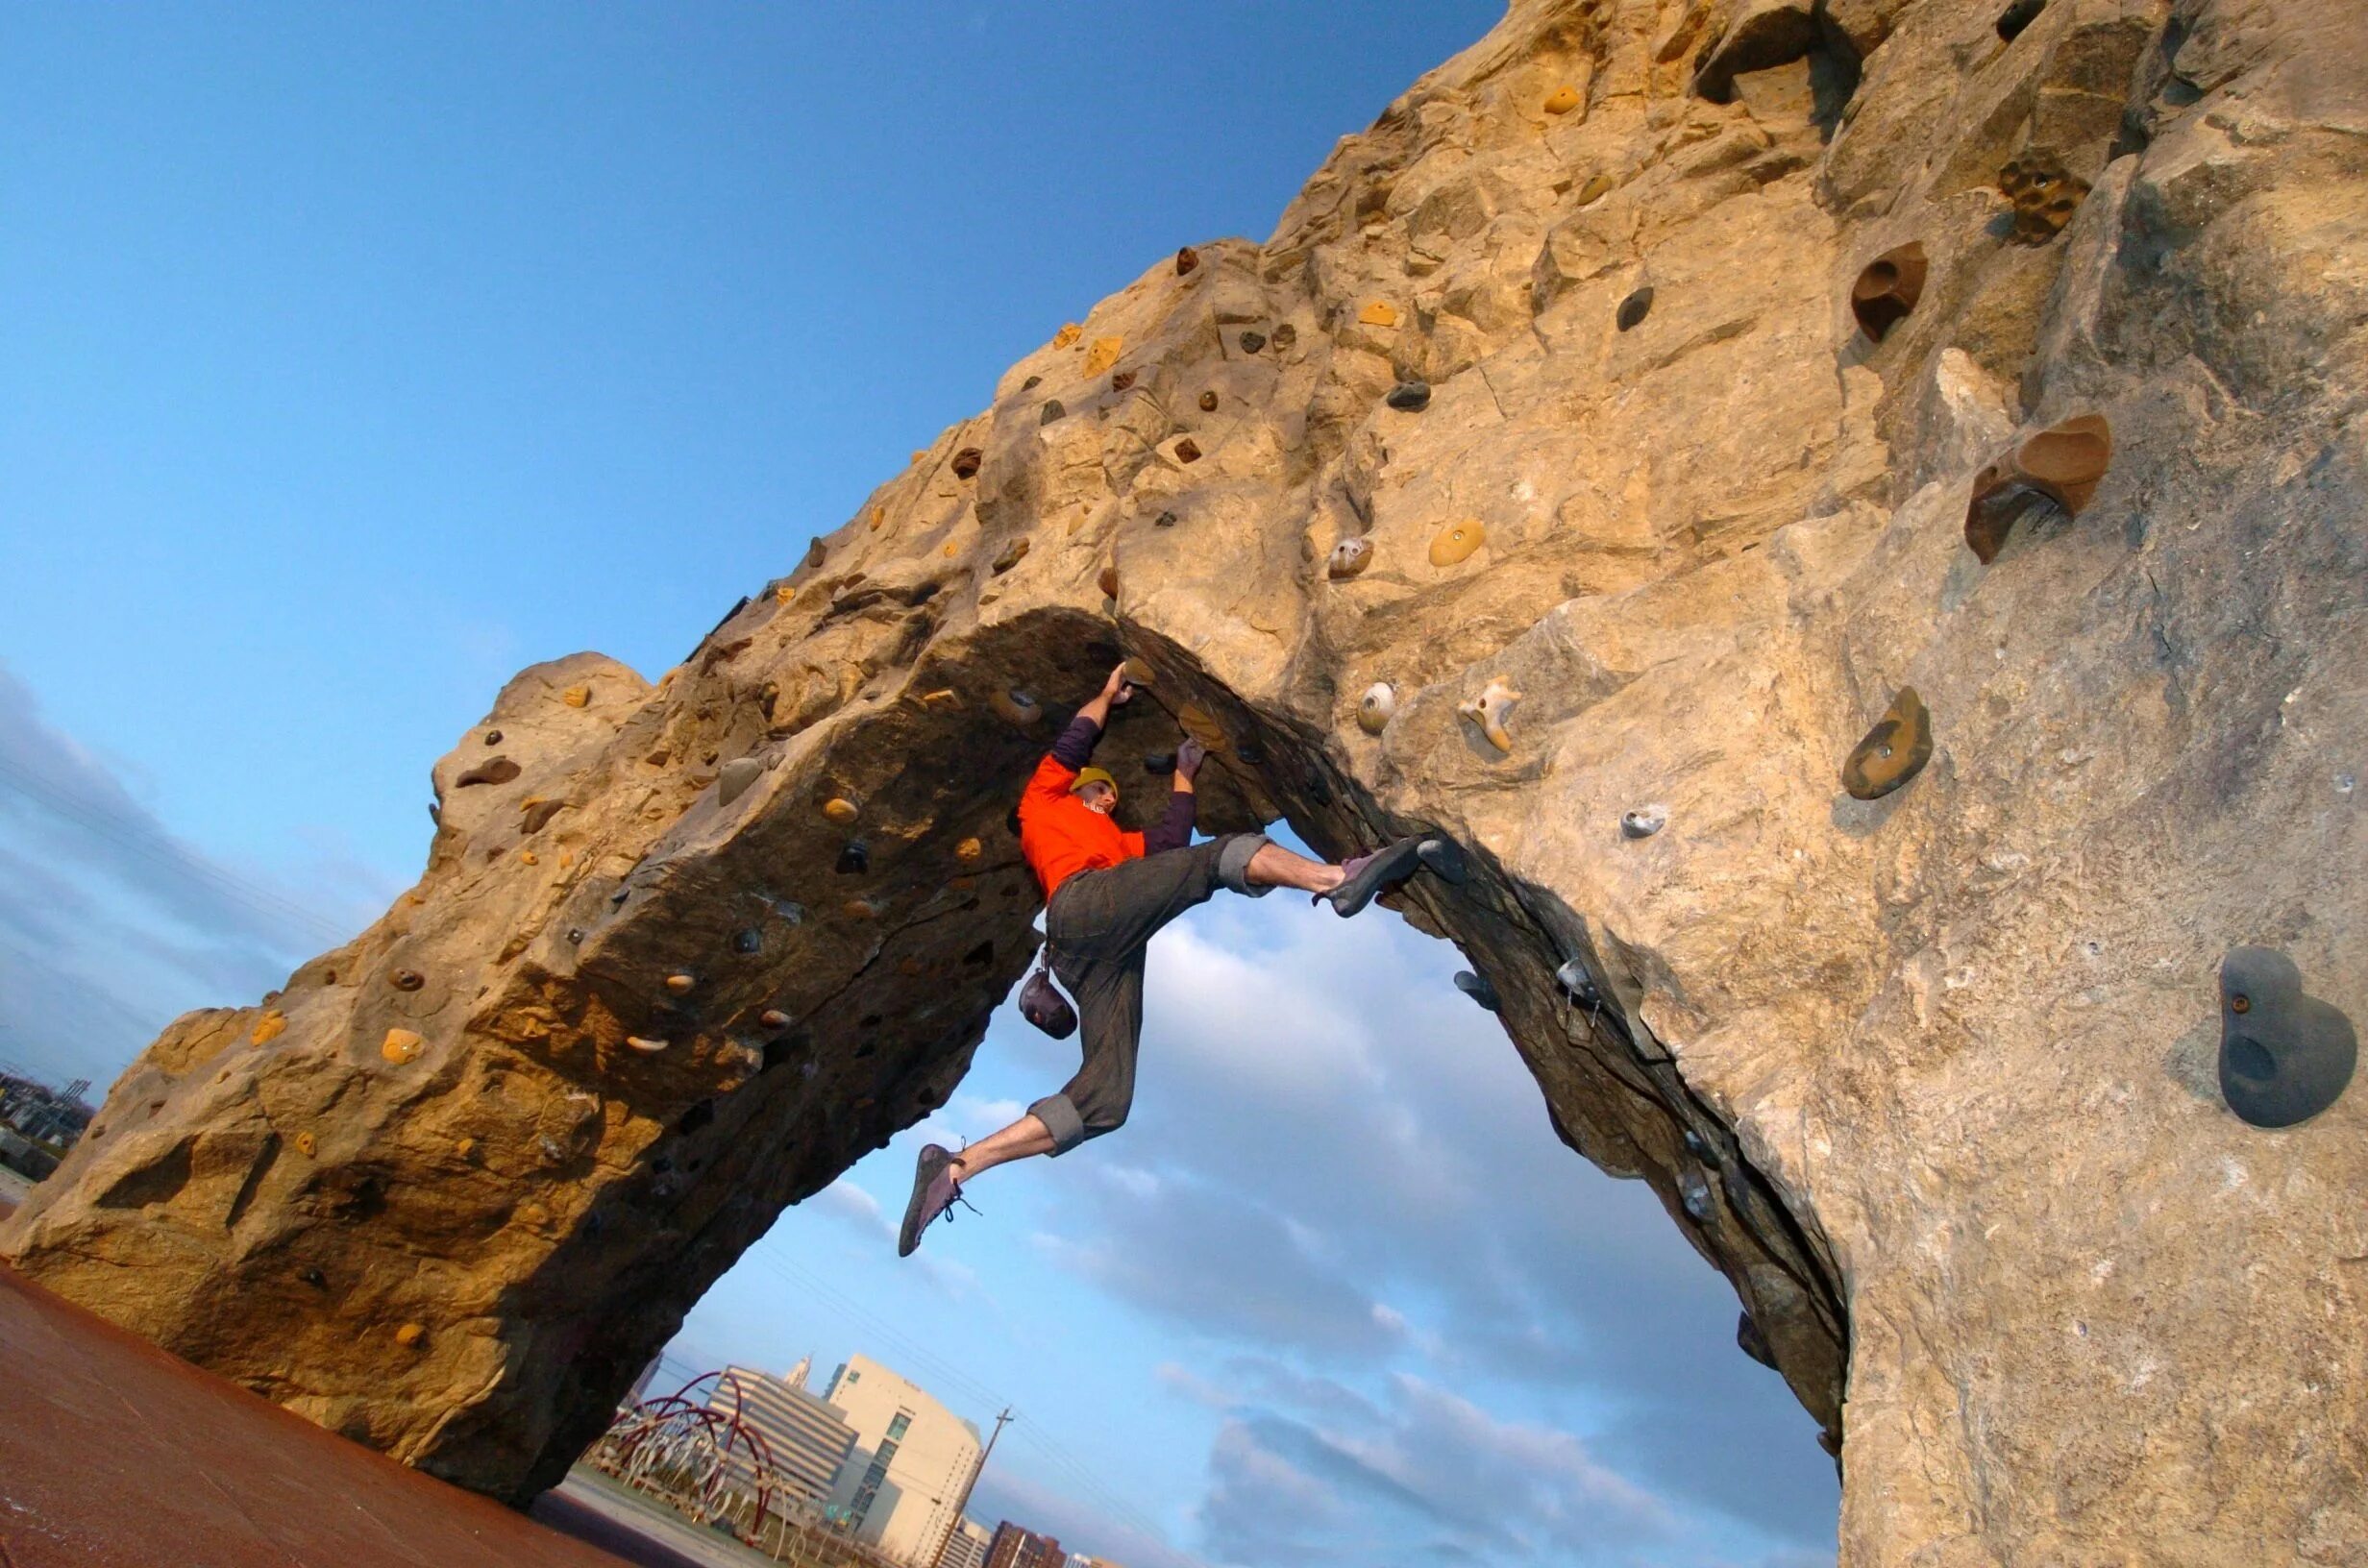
(575, 697)
(1377, 313)
(1751, 1343)
(400, 1046)
(526, 857)
(575, 935)
(1644, 822)
(409, 1335)
(539, 814)
(966, 462)
(1693, 1192)
(2285, 1057)
(407, 979)
(2017, 16)
(2062, 463)
(1123, 382)
(1349, 557)
(2044, 196)
(1488, 711)
(1562, 100)
(1159, 762)
(1376, 707)
(1186, 258)
(1187, 451)
(645, 1044)
(1069, 333)
(493, 737)
(1052, 411)
(680, 984)
(1103, 353)
(1108, 583)
(816, 552)
(1016, 707)
(1456, 542)
(943, 699)
(1165, 520)
(839, 809)
(733, 779)
(1137, 672)
(1011, 555)
(854, 858)
(268, 1028)
(1597, 185)
(860, 909)
(1577, 983)
(1410, 396)
(748, 943)
(306, 1145)
(968, 850)
(773, 1017)
(1285, 335)
(1254, 341)
(1635, 308)
(1888, 289)
(466, 1148)
(783, 592)
(1893, 751)
(1476, 986)
(1197, 721)
(492, 771)
(879, 515)
(1208, 402)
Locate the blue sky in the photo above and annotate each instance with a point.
(358, 357)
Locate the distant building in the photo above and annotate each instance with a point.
(967, 1547)
(1014, 1547)
(1078, 1559)
(809, 1441)
(641, 1384)
(904, 1486)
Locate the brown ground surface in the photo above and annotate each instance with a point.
(114, 1453)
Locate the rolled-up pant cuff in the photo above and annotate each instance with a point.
(1061, 1120)
(1233, 863)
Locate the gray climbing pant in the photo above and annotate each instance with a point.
(1097, 929)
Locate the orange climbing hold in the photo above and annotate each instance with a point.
(409, 1335)
(1069, 333)
(575, 697)
(679, 984)
(840, 809)
(1378, 313)
(1455, 544)
(306, 1145)
(268, 1028)
(1562, 100)
(401, 1046)
(968, 850)
(1102, 355)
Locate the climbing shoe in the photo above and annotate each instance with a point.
(935, 1192)
(1367, 874)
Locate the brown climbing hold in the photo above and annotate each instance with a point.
(1165, 520)
(493, 771)
(1377, 313)
(1103, 353)
(1888, 289)
(679, 984)
(966, 462)
(1108, 583)
(1597, 185)
(1137, 672)
(1349, 557)
(1208, 402)
(1202, 727)
(306, 1145)
(839, 809)
(816, 552)
(2044, 197)
(1487, 713)
(1069, 333)
(968, 850)
(1011, 555)
(1187, 451)
(2064, 463)
(1124, 380)
(538, 813)
(861, 909)
(1016, 707)
(409, 1335)
(1456, 543)
(1285, 335)
(1186, 259)
(1052, 411)
(268, 1028)
(1562, 100)
(407, 979)
(646, 1044)
(773, 1017)
(1894, 751)
(400, 1046)
(575, 697)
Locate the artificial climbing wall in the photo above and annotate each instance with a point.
(1849, 511)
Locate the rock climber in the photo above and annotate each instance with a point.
(1107, 892)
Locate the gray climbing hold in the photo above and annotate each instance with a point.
(1577, 983)
(1644, 822)
(1410, 396)
(1696, 1145)
(1635, 308)
(1159, 762)
(1031, 383)
(2285, 1057)
(734, 779)
(1252, 342)
(1751, 1343)
(1476, 986)
(1165, 520)
(747, 942)
(1693, 1192)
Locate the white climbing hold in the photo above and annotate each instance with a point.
(1349, 557)
(1376, 708)
(1487, 713)
(645, 1046)
(1644, 822)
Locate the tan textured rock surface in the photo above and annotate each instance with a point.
(1931, 1077)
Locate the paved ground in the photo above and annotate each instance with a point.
(116, 1455)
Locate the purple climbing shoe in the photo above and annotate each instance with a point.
(1367, 874)
(935, 1191)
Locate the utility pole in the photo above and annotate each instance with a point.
(963, 1506)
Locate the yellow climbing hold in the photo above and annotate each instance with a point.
(306, 1145)
(1069, 333)
(1102, 355)
(575, 697)
(1378, 313)
(1597, 185)
(1457, 542)
(941, 699)
(968, 850)
(268, 1028)
(679, 984)
(527, 855)
(465, 1148)
(409, 1335)
(839, 809)
(879, 515)
(400, 1046)
(783, 592)
(1562, 100)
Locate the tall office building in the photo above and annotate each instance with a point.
(809, 1441)
(1017, 1547)
(967, 1547)
(904, 1484)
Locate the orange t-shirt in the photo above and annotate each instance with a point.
(1060, 835)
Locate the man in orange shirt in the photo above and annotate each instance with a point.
(1107, 891)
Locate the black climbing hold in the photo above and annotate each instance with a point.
(1011, 821)
(1052, 411)
(748, 942)
(1410, 396)
(1634, 307)
(314, 1277)
(1751, 1343)
(1031, 383)
(407, 979)
(1476, 986)
(575, 935)
(1159, 762)
(435, 813)
(2019, 16)
(1894, 751)
(1444, 858)
(1318, 789)
(854, 857)
(1165, 520)
(493, 737)
(1252, 342)
(1693, 1192)
(620, 895)
(696, 1117)
(983, 953)
(1251, 754)
(2285, 1057)
(966, 462)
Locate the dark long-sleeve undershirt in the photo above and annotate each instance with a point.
(1174, 829)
